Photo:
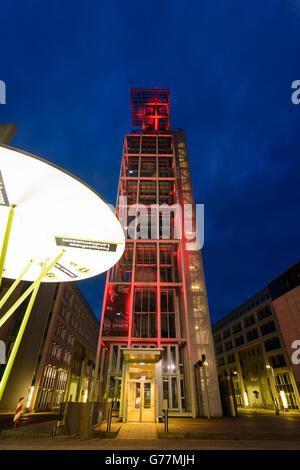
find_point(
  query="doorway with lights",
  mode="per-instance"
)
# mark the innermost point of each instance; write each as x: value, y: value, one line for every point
x: 139, y: 403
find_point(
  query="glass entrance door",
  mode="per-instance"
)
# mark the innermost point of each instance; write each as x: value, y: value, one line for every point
x: 141, y: 401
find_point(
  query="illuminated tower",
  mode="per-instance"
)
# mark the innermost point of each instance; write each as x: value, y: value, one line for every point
x: 155, y: 323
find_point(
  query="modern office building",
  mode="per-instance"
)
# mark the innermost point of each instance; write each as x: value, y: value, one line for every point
x: 254, y: 345
x: 155, y: 325
x: 56, y: 358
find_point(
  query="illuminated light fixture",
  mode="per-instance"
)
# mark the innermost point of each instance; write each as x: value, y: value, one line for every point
x: 284, y: 400
x: 206, y: 363
x: 196, y: 327
x: 85, y: 396
x: 142, y: 363
x: 29, y: 397
x: 268, y: 366
x: 246, y: 399
x: 54, y: 211
x: 195, y: 287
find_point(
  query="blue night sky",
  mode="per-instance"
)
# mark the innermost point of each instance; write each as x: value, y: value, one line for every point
x: 229, y: 65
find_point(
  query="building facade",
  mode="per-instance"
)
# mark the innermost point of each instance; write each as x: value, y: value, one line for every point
x: 155, y: 324
x: 253, y: 345
x: 56, y: 358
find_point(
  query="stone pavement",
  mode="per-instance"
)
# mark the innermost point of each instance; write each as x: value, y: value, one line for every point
x: 79, y: 443
x: 137, y: 431
x: 248, y: 431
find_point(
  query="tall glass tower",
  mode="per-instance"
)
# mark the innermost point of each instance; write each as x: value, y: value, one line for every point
x: 155, y: 346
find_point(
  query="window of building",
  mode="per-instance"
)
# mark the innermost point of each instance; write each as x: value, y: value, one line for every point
x: 60, y: 331
x: 147, y: 194
x: 148, y: 167
x: 146, y: 262
x: 168, y: 329
x: 132, y: 166
x: 272, y: 343
x: 226, y: 333
x: 144, y: 316
x: 267, y: 328
x: 284, y: 383
x: 264, y: 312
x: 165, y: 167
x: 60, y: 387
x: 67, y: 295
x: 168, y: 262
x: 237, y: 327
x: 219, y: 349
x: 47, y: 385
x: 277, y: 361
x: 131, y: 191
x: 67, y: 357
x: 249, y: 321
x: 230, y: 358
x: 218, y: 338
x: 228, y: 346
x: 239, y: 340
x: 252, y: 334
x: 63, y: 312
x: 166, y: 192
x: 55, y: 351
x: 173, y: 383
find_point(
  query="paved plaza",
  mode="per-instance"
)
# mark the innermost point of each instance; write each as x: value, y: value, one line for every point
x: 250, y: 431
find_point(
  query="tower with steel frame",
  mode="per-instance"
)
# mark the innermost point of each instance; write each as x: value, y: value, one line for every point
x: 155, y: 346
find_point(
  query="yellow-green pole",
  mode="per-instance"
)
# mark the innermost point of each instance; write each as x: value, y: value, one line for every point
x: 5, y: 240
x: 29, y: 290
x: 35, y: 287
x: 14, y: 285
x: 18, y: 340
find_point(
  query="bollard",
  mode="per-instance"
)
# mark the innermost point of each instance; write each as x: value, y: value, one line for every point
x: 109, y: 419
x: 166, y: 420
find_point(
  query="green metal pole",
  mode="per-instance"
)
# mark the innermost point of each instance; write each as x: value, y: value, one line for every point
x: 29, y: 290
x: 5, y: 240
x: 18, y: 341
x: 14, y: 285
x: 15, y: 348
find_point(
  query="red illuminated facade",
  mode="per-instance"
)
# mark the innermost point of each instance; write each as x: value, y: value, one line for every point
x: 155, y: 323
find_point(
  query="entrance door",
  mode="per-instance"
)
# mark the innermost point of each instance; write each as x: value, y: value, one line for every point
x: 141, y: 402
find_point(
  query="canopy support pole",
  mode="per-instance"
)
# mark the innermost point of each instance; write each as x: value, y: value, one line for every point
x: 6, y: 239
x: 14, y: 285
x: 34, y: 287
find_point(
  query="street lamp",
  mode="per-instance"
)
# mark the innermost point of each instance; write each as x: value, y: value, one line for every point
x: 275, y: 395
